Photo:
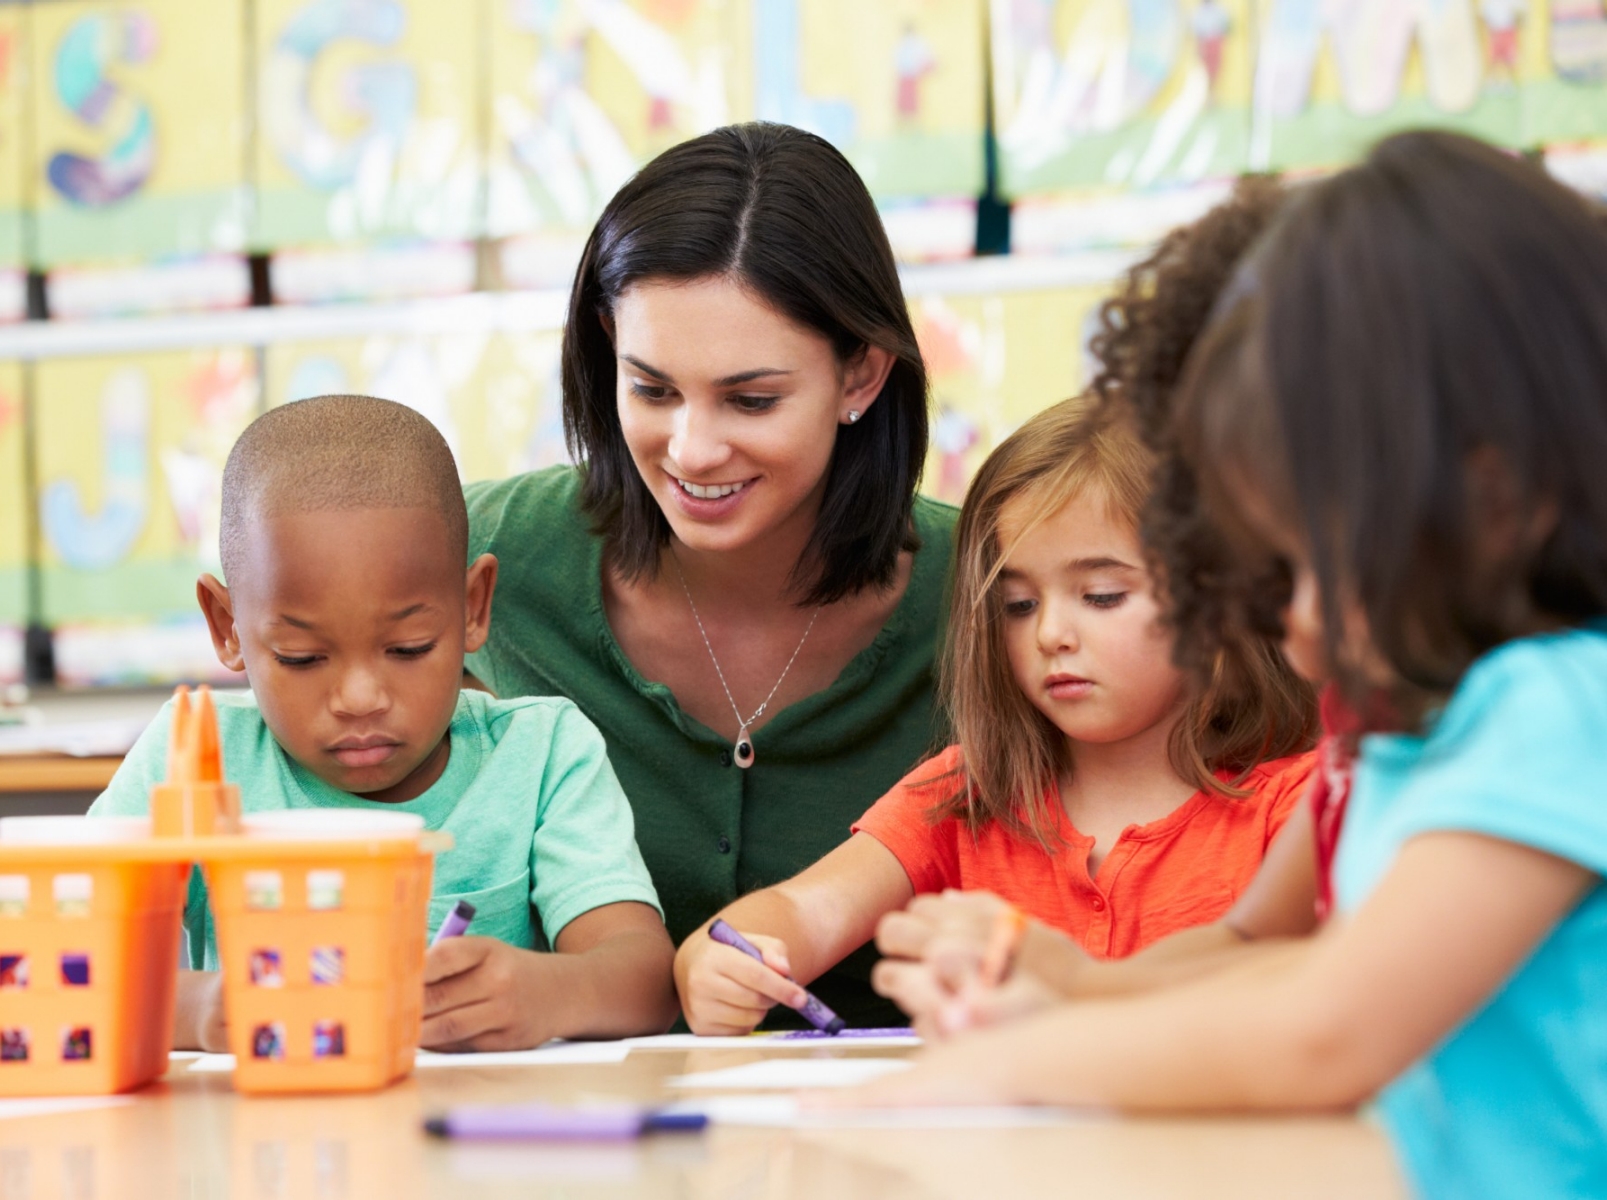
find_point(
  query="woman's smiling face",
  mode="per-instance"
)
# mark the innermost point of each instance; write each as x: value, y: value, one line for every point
x: 730, y: 410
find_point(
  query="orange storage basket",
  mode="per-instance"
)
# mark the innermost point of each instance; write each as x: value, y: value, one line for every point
x: 89, y: 948
x: 322, y: 949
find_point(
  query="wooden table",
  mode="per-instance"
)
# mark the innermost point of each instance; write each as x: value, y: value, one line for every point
x: 192, y: 1136
x: 56, y: 773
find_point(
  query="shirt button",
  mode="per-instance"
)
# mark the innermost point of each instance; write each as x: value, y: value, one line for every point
x: 725, y: 758
x: 724, y: 844
x: 1097, y: 904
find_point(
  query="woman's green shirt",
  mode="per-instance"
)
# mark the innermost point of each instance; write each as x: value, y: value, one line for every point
x: 708, y: 830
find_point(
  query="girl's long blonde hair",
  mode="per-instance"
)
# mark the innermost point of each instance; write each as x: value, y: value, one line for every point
x: 1252, y: 707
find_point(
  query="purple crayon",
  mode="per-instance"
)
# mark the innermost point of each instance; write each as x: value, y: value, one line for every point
x: 816, y: 1013
x: 550, y: 1123
x: 456, y: 923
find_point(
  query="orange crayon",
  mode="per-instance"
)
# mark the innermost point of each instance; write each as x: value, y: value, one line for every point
x: 195, y: 801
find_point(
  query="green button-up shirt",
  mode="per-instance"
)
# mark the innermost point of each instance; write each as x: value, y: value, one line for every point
x: 708, y: 830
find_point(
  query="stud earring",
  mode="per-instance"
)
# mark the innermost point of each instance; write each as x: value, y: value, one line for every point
x: 853, y: 415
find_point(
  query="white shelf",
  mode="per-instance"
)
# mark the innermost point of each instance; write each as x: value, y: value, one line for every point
x: 484, y: 311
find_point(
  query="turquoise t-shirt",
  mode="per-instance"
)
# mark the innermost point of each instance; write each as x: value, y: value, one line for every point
x: 1514, y: 1102
x: 542, y: 832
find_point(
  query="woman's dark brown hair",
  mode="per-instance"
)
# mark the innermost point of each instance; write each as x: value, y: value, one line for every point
x: 1410, y: 374
x: 784, y: 214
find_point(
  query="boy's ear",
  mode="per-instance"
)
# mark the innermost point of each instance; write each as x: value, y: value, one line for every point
x: 218, y: 608
x: 478, y: 587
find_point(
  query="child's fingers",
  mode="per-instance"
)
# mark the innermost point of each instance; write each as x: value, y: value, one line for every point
x: 911, y: 986
x: 903, y: 935
x: 774, y: 951
x: 461, y: 1027
x: 455, y: 956
x: 736, y: 967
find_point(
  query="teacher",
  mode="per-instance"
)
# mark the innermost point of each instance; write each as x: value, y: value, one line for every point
x: 738, y: 584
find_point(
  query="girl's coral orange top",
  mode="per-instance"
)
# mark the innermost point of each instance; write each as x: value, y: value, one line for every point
x: 1186, y: 869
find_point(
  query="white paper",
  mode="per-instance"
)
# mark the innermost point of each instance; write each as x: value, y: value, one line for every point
x: 783, y: 1112
x: 776, y: 1041
x: 555, y: 1053
x: 791, y: 1074
x: 45, y: 1106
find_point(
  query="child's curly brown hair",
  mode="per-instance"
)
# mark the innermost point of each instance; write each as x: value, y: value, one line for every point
x: 1145, y: 334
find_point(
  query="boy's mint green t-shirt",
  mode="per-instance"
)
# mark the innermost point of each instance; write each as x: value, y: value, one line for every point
x: 541, y: 830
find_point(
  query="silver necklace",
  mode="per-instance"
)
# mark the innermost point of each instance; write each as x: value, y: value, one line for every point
x: 742, y: 749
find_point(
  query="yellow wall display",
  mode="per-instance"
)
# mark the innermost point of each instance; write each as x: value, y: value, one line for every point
x: 993, y: 362
x: 495, y: 398
x: 1125, y: 93
x: 585, y: 91
x: 366, y: 120
x: 130, y: 460
x: 13, y: 107
x: 139, y: 148
x: 13, y: 500
x: 897, y: 85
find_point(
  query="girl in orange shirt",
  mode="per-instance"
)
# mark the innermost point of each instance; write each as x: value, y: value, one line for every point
x: 1090, y: 785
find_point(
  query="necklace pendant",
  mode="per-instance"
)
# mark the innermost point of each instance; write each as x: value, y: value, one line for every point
x: 742, y: 753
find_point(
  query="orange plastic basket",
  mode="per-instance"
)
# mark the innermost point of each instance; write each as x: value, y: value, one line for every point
x: 322, y: 949
x: 89, y: 948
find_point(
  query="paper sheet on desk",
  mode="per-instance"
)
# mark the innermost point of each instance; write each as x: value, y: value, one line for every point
x: 791, y: 1074
x: 46, y: 1106
x: 783, y: 1112
x: 795, y: 1039
x: 552, y: 1054
x: 79, y: 739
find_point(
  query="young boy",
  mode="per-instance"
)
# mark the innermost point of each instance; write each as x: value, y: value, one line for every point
x: 343, y: 539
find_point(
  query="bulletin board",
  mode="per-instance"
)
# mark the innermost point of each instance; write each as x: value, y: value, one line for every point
x: 13, y: 501
x: 993, y: 362
x: 366, y: 120
x: 582, y: 94
x: 897, y: 85
x: 494, y: 397
x: 1120, y: 93
x: 13, y: 115
x: 139, y: 149
x: 129, y: 513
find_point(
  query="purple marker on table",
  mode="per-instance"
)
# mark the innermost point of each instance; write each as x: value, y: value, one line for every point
x: 551, y: 1123
x: 456, y: 923
x: 813, y: 1011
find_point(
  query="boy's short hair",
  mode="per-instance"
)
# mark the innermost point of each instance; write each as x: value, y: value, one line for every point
x: 338, y: 452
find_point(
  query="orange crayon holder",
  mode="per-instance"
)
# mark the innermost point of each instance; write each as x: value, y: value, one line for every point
x: 321, y: 944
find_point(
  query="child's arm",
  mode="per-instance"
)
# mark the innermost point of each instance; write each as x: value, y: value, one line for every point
x: 198, y: 1017
x: 934, y: 946
x: 609, y: 979
x: 804, y: 927
x: 1323, y: 1024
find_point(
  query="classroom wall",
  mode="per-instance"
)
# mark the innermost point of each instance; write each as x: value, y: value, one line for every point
x: 389, y: 150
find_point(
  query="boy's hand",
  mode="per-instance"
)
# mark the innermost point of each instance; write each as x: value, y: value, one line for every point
x: 726, y: 993
x: 199, y: 1020
x: 483, y: 994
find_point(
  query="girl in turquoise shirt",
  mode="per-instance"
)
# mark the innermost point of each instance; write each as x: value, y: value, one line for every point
x: 1401, y: 409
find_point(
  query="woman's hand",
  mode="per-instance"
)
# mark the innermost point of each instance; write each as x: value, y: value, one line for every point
x: 724, y: 992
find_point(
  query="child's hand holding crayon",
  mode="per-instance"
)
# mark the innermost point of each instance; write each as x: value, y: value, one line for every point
x: 726, y: 993
x: 478, y: 995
